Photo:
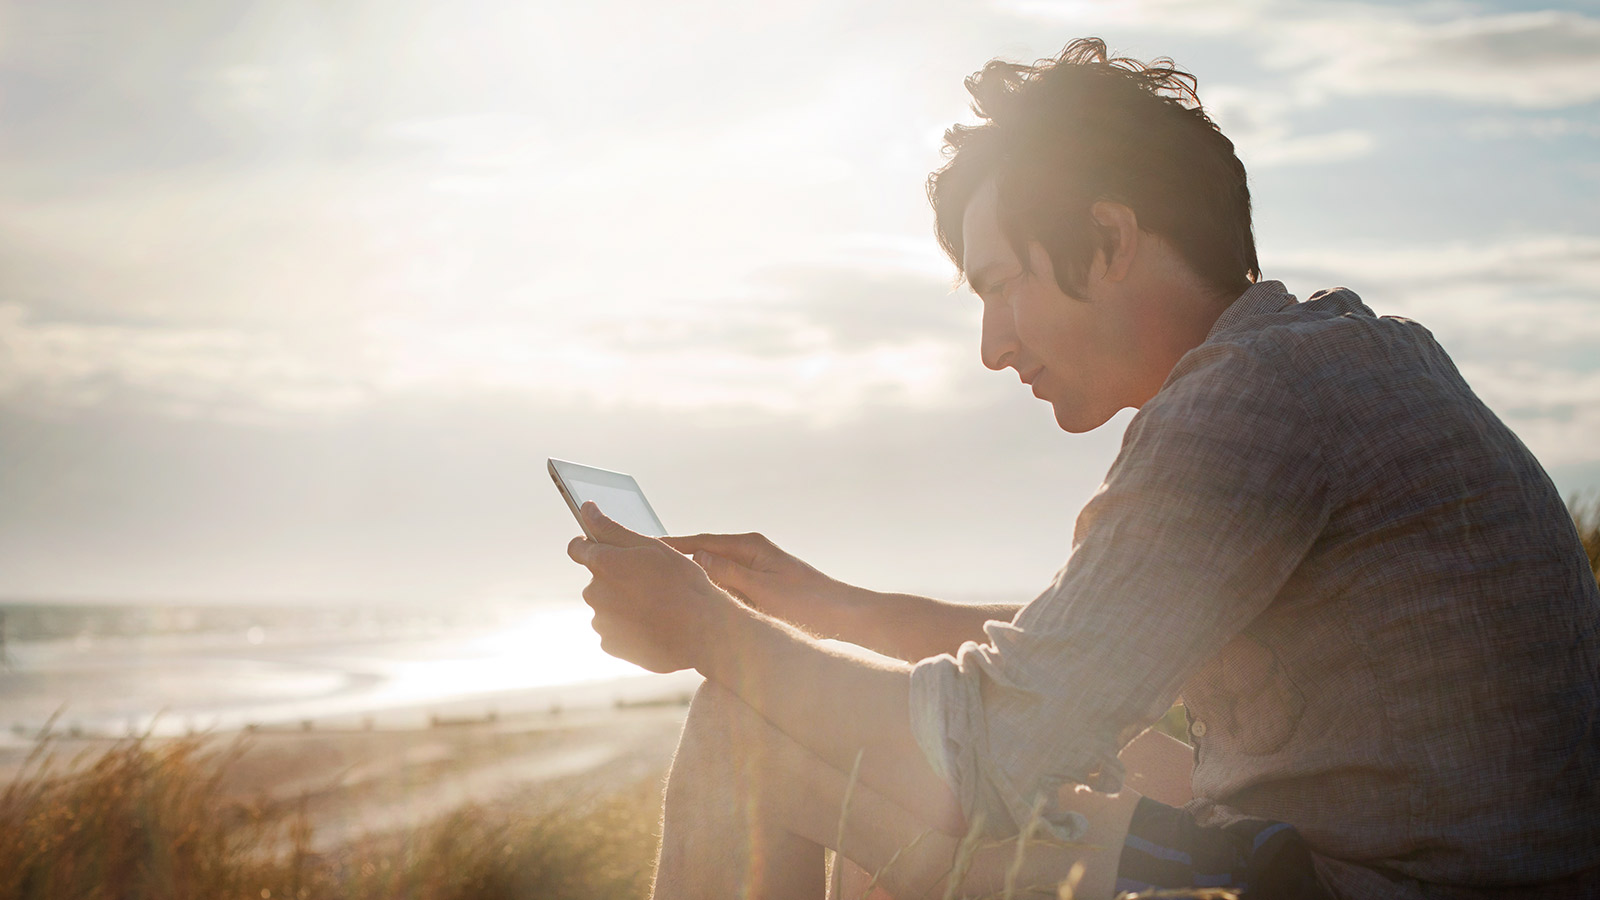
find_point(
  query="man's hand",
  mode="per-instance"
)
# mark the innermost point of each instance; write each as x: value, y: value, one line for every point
x: 652, y: 606
x: 779, y: 584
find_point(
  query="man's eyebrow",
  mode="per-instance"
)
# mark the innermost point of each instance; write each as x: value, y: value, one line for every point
x: 981, y: 278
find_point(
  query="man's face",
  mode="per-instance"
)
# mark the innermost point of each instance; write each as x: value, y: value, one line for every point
x: 1075, y: 352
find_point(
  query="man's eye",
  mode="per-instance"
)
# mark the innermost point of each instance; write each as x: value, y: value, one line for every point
x: 997, y: 289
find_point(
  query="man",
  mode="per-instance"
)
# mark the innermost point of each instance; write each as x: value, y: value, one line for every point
x: 1367, y: 592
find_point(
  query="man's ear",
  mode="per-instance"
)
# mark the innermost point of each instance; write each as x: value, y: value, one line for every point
x: 1119, y: 226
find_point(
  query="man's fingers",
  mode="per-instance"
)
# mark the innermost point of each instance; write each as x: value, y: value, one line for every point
x: 726, y: 573
x: 744, y: 549
x: 607, y: 530
x: 652, y: 561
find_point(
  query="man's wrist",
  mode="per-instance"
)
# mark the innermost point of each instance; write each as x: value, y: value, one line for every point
x: 850, y: 612
x: 722, y: 635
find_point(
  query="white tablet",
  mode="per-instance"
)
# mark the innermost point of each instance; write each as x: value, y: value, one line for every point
x: 617, y: 495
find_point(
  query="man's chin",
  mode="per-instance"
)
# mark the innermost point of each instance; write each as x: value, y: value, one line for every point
x: 1077, y: 420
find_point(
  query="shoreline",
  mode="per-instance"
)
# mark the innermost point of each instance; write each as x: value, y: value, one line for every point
x: 344, y: 708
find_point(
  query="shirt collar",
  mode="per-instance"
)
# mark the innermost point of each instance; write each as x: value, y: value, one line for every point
x: 1258, y: 299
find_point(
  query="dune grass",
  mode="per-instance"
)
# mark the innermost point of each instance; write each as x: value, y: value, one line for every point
x: 1586, y: 516
x: 150, y: 820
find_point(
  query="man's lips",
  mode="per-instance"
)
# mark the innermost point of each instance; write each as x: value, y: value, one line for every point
x: 1028, y: 378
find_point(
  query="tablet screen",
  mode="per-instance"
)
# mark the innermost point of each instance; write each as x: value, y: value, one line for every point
x: 617, y: 495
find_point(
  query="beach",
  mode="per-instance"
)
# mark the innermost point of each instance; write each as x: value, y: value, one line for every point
x: 370, y: 722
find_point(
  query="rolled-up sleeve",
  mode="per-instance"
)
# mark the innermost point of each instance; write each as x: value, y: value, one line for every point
x: 1217, y: 494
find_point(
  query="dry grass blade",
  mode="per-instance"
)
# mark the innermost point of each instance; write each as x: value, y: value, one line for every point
x: 962, y: 863
x: 844, y: 815
x: 894, y: 858
x: 1015, y: 869
x: 1586, y: 518
x: 1068, y: 888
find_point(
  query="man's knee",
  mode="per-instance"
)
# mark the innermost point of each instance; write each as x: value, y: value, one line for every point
x: 719, y: 730
x: 712, y: 715
x: 727, y: 744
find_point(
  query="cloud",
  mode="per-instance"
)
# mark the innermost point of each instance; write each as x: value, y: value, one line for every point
x: 812, y: 342
x: 1311, y: 52
x: 1319, y: 49
x: 866, y: 307
x: 61, y: 368
x: 200, y: 247
x: 1562, y: 263
x: 1552, y: 409
x: 1207, y: 17
x: 1276, y: 147
x: 1545, y: 59
x: 1537, y: 127
x: 1261, y: 125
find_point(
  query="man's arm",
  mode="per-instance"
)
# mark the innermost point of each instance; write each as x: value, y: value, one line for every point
x: 659, y: 610
x: 903, y: 626
x: 909, y: 627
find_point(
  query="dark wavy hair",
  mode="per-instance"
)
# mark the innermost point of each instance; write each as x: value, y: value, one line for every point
x: 1065, y: 132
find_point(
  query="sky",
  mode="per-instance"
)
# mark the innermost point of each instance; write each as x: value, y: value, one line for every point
x: 296, y: 297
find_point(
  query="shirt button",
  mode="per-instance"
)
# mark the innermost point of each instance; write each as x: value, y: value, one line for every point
x: 1198, y: 729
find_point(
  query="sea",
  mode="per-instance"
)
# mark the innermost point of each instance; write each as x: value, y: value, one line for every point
x: 128, y: 669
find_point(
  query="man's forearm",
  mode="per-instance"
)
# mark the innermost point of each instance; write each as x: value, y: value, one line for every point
x: 830, y: 700
x: 909, y: 627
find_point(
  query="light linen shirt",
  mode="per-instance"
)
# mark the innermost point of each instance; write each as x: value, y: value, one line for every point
x: 1369, y: 594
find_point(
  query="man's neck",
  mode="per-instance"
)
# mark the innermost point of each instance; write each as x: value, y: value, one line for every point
x: 1180, y: 312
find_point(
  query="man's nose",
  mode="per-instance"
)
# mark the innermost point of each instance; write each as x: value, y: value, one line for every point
x: 999, y: 344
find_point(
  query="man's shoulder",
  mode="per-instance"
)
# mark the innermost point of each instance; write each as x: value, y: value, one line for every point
x: 1330, y: 363
x: 1370, y: 390
x: 1324, y: 315
x: 1329, y: 339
